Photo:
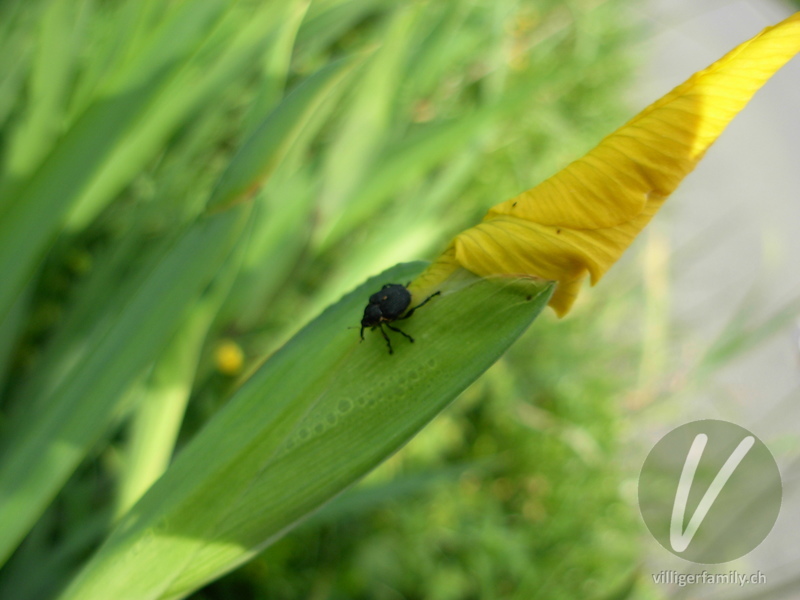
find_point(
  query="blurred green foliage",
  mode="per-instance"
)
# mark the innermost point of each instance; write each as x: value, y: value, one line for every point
x: 117, y: 121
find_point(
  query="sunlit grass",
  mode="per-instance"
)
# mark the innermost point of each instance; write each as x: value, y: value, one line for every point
x: 118, y: 293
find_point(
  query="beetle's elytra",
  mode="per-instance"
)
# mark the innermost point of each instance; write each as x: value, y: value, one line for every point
x: 387, y: 306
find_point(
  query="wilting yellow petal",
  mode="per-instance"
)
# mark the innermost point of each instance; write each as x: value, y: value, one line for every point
x: 582, y: 219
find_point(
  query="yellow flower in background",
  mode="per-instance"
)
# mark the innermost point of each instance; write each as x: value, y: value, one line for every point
x: 580, y: 221
x: 229, y: 357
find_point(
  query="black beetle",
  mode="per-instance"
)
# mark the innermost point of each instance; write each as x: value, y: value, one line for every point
x: 386, y: 307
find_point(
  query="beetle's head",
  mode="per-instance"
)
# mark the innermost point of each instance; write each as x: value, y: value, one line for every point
x: 372, y: 315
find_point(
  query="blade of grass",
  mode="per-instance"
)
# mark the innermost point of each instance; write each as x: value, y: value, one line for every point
x: 280, y: 235
x: 48, y: 86
x: 154, y: 428
x: 112, y: 281
x: 363, y: 132
x: 744, y: 332
x: 222, y: 58
x: 328, y: 20
x: 400, y: 164
x: 17, y: 50
x: 277, y: 62
x: 30, y: 221
x: 317, y: 416
x: 276, y: 134
x: 440, y: 35
x: 119, y: 34
x: 10, y: 331
x: 49, y: 444
x: 158, y: 416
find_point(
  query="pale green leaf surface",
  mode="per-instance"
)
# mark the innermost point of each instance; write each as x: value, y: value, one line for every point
x: 316, y: 417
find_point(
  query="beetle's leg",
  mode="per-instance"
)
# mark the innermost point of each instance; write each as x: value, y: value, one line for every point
x: 411, y: 312
x: 362, y: 333
x: 403, y: 333
x: 386, y: 337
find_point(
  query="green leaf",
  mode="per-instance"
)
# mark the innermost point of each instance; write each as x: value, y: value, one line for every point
x: 321, y: 413
x: 328, y: 20
x: 226, y: 53
x: 17, y: 49
x: 48, y: 444
x: 277, y: 61
x: 280, y: 223
x: 360, y: 140
x: 158, y: 417
x: 50, y: 77
x: 154, y: 428
x: 31, y: 218
x: 269, y: 144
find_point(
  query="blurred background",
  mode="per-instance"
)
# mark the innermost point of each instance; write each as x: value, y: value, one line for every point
x: 526, y: 486
x: 730, y: 238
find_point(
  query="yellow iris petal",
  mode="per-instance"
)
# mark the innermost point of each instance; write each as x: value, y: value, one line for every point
x: 581, y: 220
